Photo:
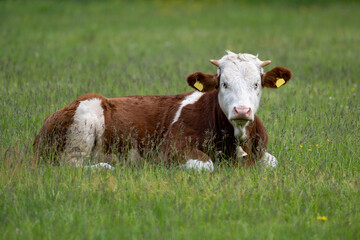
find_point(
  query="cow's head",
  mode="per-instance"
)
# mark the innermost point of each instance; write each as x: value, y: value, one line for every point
x: 239, y: 82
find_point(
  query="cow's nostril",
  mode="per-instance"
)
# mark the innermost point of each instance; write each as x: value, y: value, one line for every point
x: 249, y: 111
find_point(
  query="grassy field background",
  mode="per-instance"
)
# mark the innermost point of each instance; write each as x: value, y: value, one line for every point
x: 51, y: 52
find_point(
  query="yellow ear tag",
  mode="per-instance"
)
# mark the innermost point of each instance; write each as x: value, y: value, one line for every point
x: 198, y: 85
x: 279, y: 82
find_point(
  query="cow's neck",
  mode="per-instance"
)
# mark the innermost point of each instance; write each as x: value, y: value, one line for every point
x: 239, y: 133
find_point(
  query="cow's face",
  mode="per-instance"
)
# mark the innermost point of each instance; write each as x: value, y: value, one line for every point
x: 239, y: 81
x: 239, y: 87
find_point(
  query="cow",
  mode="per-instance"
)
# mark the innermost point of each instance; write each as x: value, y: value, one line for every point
x: 190, y: 129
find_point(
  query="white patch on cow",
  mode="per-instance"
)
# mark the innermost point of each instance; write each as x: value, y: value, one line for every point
x: 199, y: 165
x: 268, y: 160
x: 87, y: 128
x: 240, y: 87
x: 190, y: 99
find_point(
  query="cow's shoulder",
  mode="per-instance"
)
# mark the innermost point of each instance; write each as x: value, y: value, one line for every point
x: 195, y: 117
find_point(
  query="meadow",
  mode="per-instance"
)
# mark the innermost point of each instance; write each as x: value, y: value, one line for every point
x: 51, y: 52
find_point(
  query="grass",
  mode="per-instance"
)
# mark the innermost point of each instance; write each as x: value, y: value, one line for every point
x: 52, y: 52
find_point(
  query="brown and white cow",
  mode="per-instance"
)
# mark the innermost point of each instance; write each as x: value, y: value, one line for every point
x: 190, y: 127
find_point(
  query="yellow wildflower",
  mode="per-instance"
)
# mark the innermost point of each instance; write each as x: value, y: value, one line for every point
x: 328, y: 140
x: 264, y: 178
x: 317, y: 145
x: 87, y: 156
x: 310, y: 149
x: 323, y: 218
x: 300, y: 145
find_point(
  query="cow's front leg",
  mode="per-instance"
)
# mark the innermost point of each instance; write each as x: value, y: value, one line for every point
x: 199, y: 161
x: 268, y: 160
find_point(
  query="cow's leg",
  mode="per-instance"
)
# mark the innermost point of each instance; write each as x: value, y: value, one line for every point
x: 199, y: 165
x: 268, y: 160
x: 177, y: 146
x: 84, y: 135
x: 199, y: 161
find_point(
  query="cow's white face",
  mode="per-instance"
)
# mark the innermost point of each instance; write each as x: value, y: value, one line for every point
x: 240, y: 88
x: 239, y: 82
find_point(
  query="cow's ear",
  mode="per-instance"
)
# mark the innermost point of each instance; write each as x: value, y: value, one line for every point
x: 276, y: 77
x: 203, y: 82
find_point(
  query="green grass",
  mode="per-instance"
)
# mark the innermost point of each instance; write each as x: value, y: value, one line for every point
x: 52, y: 52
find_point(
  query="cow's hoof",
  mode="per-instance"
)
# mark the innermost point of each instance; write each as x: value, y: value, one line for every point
x: 269, y: 160
x: 199, y: 165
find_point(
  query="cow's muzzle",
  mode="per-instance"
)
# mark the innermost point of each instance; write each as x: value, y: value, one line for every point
x: 241, y: 113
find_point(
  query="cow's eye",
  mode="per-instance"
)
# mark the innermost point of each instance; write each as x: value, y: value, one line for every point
x: 224, y: 84
x: 256, y: 86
